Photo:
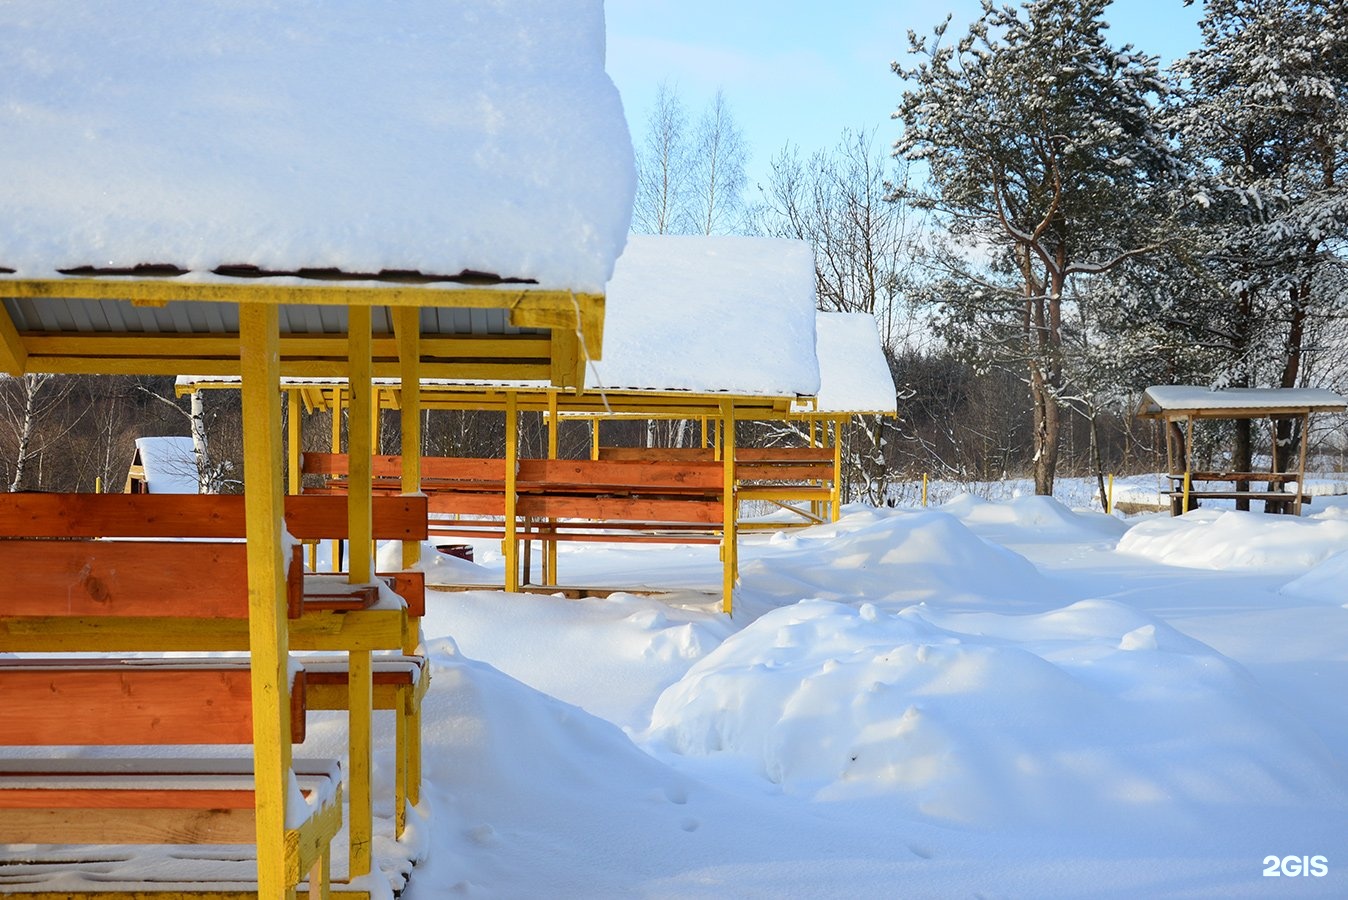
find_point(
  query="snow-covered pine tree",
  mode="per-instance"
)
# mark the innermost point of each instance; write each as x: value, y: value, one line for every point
x: 1045, y: 161
x: 1263, y: 112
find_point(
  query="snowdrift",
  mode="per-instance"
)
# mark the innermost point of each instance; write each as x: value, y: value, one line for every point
x: 1230, y: 539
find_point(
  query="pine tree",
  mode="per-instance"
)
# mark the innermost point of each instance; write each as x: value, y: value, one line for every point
x: 1263, y: 112
x: 1046, y: 162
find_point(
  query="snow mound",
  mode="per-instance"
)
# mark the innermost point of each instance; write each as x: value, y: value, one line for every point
x: 1040, y: 516
x: 929, y: 715
x: 1328, y: 581
x: 440, y: 567
x: 894, y: 557
x: 647, y: 645
x: 520, y: 775
x: 1212, y: 539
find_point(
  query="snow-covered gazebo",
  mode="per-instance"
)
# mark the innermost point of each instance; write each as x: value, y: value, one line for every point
x: 1180, y: 406
x: 343, y: 190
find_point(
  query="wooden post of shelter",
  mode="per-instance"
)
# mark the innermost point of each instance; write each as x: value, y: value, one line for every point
x: 407, y: 327
x: 729, y: 555
x: 268, y: 644
x: 510, y: 545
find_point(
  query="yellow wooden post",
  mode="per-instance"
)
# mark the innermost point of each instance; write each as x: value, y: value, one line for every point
x: 1109, y: 500
x: 836, y: 499
x: 293, y: 444
x: 336, y: 448
x: 268, y: 640
x: 550, y: 546
x: 924, y: 489
x: 407, y: 324
x: 510, y: 546
x: 594, y: 438
x: 729, y: 554
x: 360, y: 535
x: 704, y: 432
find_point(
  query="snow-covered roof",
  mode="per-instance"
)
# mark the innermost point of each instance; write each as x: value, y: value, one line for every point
x: 723, y: 315
x: 710, y: 314
x: 428, y: 137
x: 1186, y: 400
x: 854, y: 376
x: 169, y: 463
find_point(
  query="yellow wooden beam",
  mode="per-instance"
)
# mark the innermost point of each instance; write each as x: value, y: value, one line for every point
x: 407, y: 327
x: 13, y: 353
x: 267, y: 636
x: 529, y: 304
x: 360, y: 537
x: 293, y: 444
x: 510, y: 545
x: 729, y: 539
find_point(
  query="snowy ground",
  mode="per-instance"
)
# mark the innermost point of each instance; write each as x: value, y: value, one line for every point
x: 982, y: 699
x: 992, y: 699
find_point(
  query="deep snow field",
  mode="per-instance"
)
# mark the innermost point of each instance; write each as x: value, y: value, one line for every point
x: 980, y: 699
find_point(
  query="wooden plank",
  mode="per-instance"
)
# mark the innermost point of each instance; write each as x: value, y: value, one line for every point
x: 390, y: 466
x: 604, y: 476
x: 223, y: 823
x: 209, y: 516
x: 668, y: 454
x: 74, y: 702
x: 785, y: 455
x: 466, y: 503
x: 124, y: 578
x: 638, y: 508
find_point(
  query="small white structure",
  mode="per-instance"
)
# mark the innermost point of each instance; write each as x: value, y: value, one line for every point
x: 163, y: 465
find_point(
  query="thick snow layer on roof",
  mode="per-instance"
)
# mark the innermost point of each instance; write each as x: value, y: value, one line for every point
x: 853, y: 374
x: 170, y: 464
x: 428, y: 136
x: 710, y: 314
x: 1184, y: 397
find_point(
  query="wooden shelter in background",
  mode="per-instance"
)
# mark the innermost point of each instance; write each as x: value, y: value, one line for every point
x: 333, y: 229
x: 1180, y: 407
x: 715, y: 330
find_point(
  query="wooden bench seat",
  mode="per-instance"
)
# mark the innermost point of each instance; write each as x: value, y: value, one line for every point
x: 52, y: 702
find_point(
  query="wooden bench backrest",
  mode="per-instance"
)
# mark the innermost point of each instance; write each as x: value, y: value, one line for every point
x: 132, y: 702
x: 94, y: 578
x: 751, y: 463
x: 617, y: 490
x: 211, y: 516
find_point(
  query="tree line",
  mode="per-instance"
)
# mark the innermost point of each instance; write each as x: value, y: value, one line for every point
x: 1055, y: 224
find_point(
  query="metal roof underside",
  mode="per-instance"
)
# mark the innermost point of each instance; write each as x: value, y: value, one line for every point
x: 79, y: 316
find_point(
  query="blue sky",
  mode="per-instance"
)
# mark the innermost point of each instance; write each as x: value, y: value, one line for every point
x: 803, y: 71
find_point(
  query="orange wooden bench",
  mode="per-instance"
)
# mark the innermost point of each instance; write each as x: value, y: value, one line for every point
x: 190, y: 800
x: 777, y: 475
x: 134, y: 588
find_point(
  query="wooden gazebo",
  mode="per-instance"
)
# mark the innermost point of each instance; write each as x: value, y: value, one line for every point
x: 716, y: 330
x: 279, y: 191
x: 1181, y: 406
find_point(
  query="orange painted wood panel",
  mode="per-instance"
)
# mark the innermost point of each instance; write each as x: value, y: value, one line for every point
x: 640, y: 508
x: 78, y: 702
x: 466, y: 503
x: 134, y: 579
x: 642, y: 454
x: 613, y: 476
x: 117, y: 798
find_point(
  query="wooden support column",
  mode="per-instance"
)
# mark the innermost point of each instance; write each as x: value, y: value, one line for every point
x: 360, y: 536
x: 1301, y: 465
x: 337, y: 448
x: 407, y: 324
x: 836, y: 499
x: 729, y: 538
x: 293, y: 444
x: 510, y: 546
x: 550, y: 546
x: 268, y: 638
x: 594, y: 438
